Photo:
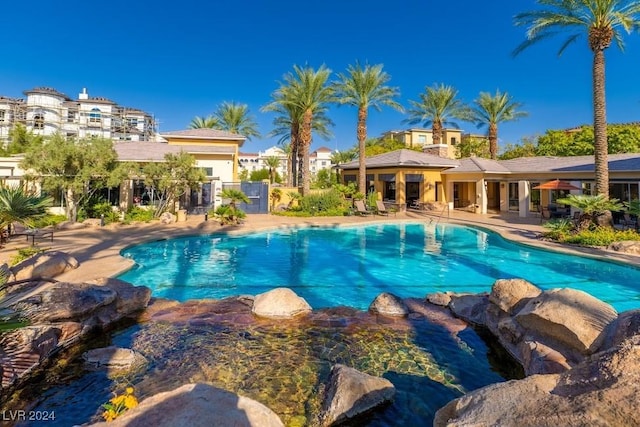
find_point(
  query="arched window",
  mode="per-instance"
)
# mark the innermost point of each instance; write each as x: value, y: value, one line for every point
x: 38, y: 120
x: 95, y: 116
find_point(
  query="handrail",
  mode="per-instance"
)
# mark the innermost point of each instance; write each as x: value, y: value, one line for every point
x: 446, y: 207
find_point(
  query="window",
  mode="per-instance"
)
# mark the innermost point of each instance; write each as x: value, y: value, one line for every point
x: 207, y: 171
x: 324, y: 163
x: 71, y: 116
x: 2, y: 115
x: 38, y: 121
x: 422, y: 139
x: 133, y: 122
x: 514, y: 197
x: 389, y: 190
x: 95, y: 116
x: 454, y: 141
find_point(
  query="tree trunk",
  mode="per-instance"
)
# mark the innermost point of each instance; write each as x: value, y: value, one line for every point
x: 600, y: 144
x: 436, y: 131
x: 493, y: 140
x: 305, y: 143
x: 362, y: 161
x: 292, y: 168
x: 72, y: 206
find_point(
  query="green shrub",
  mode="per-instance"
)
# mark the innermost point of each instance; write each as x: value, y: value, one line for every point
x: 227, y: 214
x: 25, y: 253
x: 48, y: 220
x: 559, y: 229
x: 328, y: 203
x: 601, y: 236
x: 137, y: 214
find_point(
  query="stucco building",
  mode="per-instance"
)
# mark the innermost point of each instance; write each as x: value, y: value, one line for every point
x: 45, y: 111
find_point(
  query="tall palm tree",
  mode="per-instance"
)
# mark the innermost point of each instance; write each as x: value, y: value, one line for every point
x: 490, y: 110
x: 364, y: 88
x: 306, y: 94
x: 287, y: 127
x: 600, y: 21
x: 208, y: 122
x: 235, y: 118
x: 437, y: 106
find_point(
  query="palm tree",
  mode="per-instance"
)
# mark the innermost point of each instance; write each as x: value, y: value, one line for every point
x: 287, y: 127
x: 304, y: 96
x: 273, y: 163
x: 365, y: 88
x: 490, y: 110
x: 235, y: 118
x: 208, y: 122
x: 436, y: 106
x: 600, y: 21
x: 18, y: 205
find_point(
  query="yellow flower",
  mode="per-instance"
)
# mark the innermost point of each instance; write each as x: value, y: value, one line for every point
x: 129, y: 390
x: 130, y: 402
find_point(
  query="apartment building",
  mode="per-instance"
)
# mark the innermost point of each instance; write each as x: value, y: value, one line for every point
x: 45, y: 111
x: 318, y: 159
x: 418, y: 137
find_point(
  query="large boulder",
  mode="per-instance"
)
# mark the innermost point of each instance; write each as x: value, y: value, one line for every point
x: 66, y: 301
x: 130, y: 298
x: 470, y: 307
x: 352, y: 393
x: 280, y: 303
x: 387, y: 304
x: 45, y: 264
x: 567, y: 316
x: 601, y: 391
x: 510, y: 294
x: 626, y: 325
x: 197, y: 405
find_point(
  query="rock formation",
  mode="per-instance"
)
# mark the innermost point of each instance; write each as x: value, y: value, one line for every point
x: 197, y: 405
x: 581, y: 358
x: 59, y: 314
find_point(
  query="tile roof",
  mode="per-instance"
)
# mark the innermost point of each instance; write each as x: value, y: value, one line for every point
x: 204, y: 133
x: 555, y: 164
x: 143, y: 151
x: 403, y: 157
x: 617, y: 163
x: 478, y: 164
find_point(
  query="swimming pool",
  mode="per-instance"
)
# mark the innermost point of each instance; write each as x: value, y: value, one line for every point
x: 352, y: 265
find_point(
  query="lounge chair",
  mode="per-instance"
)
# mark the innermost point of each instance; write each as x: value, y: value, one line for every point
x: 381, y: 208
x: 361, y: 208
x: 18, y: 229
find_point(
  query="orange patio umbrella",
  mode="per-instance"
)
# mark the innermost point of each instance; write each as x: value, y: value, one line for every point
x: 556, y: 184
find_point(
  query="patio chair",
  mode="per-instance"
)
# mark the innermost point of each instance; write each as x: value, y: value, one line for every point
x: 361, y: 209
x: 381, y: 208
x: 628, y: 222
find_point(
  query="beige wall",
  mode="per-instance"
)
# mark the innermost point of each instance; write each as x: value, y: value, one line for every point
x: 427, y: 188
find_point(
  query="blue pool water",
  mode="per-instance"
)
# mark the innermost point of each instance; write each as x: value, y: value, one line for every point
x: 351, y: 265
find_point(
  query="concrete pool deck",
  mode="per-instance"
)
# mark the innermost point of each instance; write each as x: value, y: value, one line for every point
x: 98, y: 248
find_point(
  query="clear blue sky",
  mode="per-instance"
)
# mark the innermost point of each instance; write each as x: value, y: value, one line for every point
x: 178, y: 60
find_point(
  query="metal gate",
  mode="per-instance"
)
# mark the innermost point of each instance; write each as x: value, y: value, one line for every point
x: 257, y: 192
